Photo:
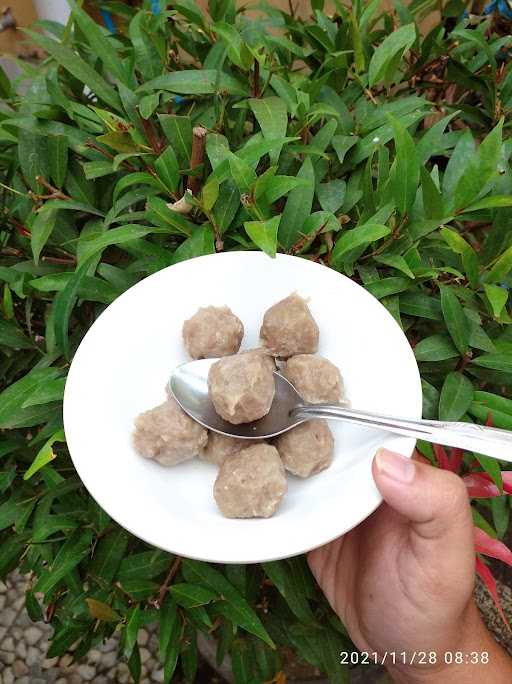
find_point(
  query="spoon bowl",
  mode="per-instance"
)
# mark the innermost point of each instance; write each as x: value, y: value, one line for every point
x: 189, y: 386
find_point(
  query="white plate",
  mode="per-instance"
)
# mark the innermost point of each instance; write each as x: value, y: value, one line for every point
x: 124, y: 361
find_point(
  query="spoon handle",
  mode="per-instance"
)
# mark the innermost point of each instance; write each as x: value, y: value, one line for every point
x: 469, y: 436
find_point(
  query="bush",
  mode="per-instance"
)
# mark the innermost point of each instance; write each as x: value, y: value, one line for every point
x: 348, y: 139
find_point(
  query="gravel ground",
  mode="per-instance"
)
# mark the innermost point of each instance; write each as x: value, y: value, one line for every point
x: 23, y: 646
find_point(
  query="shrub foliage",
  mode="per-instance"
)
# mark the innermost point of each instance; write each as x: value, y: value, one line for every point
x: 348, y: 138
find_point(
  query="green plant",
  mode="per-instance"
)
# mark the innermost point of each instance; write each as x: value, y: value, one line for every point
x: 346, y: 138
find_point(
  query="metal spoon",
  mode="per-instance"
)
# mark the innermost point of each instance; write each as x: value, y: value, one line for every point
x: 189, y: 386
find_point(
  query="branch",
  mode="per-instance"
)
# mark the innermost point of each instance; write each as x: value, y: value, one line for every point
x: 197, y: 157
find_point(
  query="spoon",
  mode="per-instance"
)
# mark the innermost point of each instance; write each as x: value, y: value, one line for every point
x: 189, y: 386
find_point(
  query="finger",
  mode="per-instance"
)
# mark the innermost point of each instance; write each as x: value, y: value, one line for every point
x: 434, y: 501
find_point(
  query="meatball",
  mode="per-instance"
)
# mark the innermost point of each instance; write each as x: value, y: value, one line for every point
x: 241, y: 387
x: 219, y: 447
x: 265, y: 355
x: 211, y: 332
x: 250, y: 484
x: 306, y: 449
x: 289, y: 328
x: 168, y: 435
x: 316, y: 379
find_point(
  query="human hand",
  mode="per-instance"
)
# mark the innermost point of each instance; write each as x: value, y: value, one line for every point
x: 402, y: 581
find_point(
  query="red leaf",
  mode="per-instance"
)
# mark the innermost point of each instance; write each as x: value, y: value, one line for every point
x: 456, y: 459
x: 480, y: 486
x: 489, y: 422
x: 506, y: 476
x: 441, y: 456
x: 481, y: 478
x: 486, y: 576
x: 492, y: 547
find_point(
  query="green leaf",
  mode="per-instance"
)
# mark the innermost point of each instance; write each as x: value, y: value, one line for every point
x: 341, y: 144
x: 397, y: 262
x: 197, y: 82
x: 210, y: 194
x: 58, y: 158
x: 234, y: 606
x: 77, y: 67
x: 168, y: 170
x: 431, y: 142
x: 468, y: 254
x: 433, y: 205
x: 405, y: 173
x: 138, y: 178
x: 499, y: 362
x: 169, y: 627
x: 108, y: 554
x: 145, y: 565
x: 387, y: 56
x: 331, y: 195
x: 13, y: 398
x: 264, y: 234
x: 64, y: 303
x: 497, y: 297
x: 492, y: 467
x: 192, y: 595
x: 159, y: 213
x: 101, y: 46
x: 178, y: 131
x: 362, y: 236
x: 53, y: 390
x: 298, y: 206
x: 455, y: 319
x: 45, y: 454
x: 131, y: 630
x: 12, y: 336
x: 435, y: 348
x: 200, y: 243
x: 272, y: 115
x: 419, y: 304
x: 41, y: 230
x: 501, y: 268
x: 242, y: 174
x: 71, y: 553
x: 33, y: 158
x: 491, y: 202
x: 115, y: 236
x: 148, y: 105
x: 456, y: 396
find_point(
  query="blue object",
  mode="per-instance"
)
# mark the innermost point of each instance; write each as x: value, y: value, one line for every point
x: 155, y: 6
x: 178, y: 99
x: 108, y: 21
x: 502, y: 6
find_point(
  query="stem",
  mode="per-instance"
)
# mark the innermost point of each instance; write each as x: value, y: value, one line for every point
x: 256, y: 79
x: 163, y: 589
x: 197, y: 158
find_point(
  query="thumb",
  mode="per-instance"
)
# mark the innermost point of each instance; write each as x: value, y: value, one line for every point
x: 434, y: 501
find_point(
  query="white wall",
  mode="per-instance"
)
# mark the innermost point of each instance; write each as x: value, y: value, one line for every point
x: 54, y: 10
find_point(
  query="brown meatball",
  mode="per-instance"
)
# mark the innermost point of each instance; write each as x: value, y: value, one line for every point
x: 265, y: 355
x: 250, y: 484
x: 219, y: 447
x: 316, y: 379
x: 168, y: 435
x: 306, y: 449
x: 211, y: 332
x: 241, y: 387
x: 289, y: 328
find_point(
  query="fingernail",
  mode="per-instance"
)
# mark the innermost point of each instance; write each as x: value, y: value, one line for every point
x: 395, y: 466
